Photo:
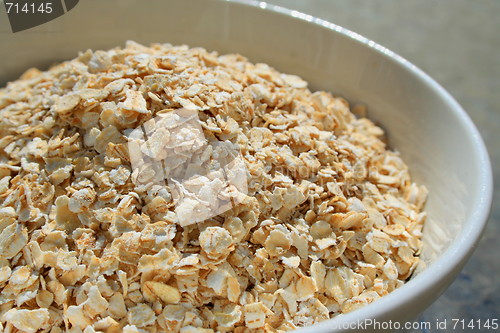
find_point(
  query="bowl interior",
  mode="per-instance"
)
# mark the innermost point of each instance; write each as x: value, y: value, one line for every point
x: 436, y: 139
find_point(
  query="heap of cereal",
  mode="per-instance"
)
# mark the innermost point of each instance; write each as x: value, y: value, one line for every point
x: 329, y: 221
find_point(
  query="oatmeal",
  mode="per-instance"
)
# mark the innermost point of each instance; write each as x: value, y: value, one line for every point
x: 328, y: 219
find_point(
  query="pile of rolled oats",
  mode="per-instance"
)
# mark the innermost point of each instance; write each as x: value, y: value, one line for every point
x: 330, y: 222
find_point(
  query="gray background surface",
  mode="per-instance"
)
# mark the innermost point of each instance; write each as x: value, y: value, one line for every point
x: 457, y: 42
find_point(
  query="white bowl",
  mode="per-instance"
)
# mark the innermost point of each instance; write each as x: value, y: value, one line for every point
x: 433, y: 133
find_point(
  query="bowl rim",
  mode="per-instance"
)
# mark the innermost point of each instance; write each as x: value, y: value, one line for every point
x: 456, y: 254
